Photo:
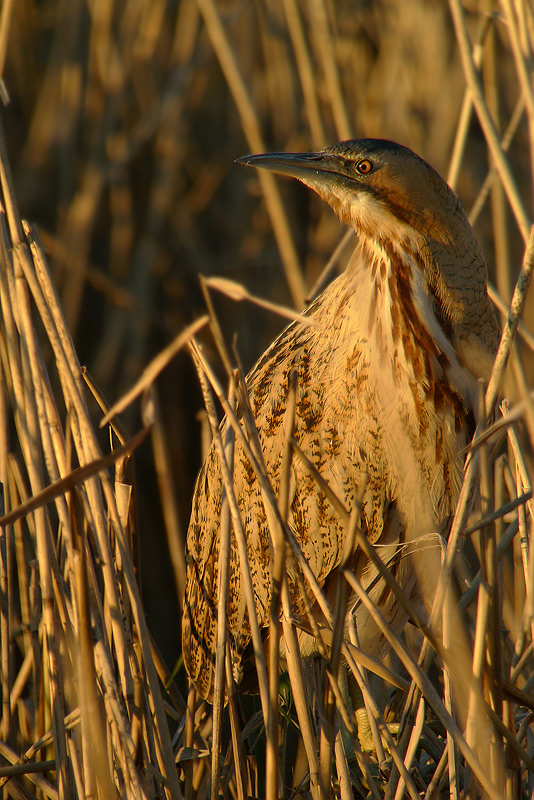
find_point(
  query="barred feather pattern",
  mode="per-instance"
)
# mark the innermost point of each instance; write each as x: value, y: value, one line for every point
x: 386, y: 390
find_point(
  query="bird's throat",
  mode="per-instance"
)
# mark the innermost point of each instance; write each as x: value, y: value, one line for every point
x: 415, y: 374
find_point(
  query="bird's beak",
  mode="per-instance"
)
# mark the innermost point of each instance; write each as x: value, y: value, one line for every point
x: 317, y: 167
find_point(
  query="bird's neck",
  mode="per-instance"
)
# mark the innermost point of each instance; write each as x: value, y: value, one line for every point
x: 406, y: 321
x: 387, y: 322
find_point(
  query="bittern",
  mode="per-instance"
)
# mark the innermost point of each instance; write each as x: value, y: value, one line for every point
x: 386, y: 394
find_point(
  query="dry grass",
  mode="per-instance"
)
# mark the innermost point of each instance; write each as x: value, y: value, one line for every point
x: 123, y: 124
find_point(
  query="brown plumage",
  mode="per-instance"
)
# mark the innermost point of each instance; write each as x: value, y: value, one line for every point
x: 387, y: 384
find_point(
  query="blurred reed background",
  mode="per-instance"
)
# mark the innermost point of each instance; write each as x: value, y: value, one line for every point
x: 122, y: 119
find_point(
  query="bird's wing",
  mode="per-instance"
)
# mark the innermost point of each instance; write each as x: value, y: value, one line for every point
x: 320, y: 422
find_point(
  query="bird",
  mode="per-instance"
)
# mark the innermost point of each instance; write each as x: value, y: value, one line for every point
x: 388, y: 361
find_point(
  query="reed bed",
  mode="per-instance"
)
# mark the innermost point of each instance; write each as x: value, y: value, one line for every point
x: 121, y: 122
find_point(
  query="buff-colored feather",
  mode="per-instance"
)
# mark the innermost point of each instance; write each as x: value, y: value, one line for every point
x: 386, y: 390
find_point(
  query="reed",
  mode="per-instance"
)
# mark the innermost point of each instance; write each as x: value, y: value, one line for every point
x: 118, y: 145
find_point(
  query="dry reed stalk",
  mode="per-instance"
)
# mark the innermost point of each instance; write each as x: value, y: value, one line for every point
x: 240, y: 769
x: 320, y: 25
x: 238, y: 293
x: 279, y: 585
x: 163, y: 468
x: 222, y: 606
x: 69, y: 587
x: 151, y: 372
x: 486, y: 121
x: 305, y: 71
x: 143, y: 86
x: 328, y: 734
x: 252, y: 130
x: 462, y: 129
x: 300, y: 695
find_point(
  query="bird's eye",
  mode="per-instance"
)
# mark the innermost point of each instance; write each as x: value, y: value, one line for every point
x: 365, y: 166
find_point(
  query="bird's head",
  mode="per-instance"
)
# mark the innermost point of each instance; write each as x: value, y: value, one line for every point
x: 382, y: 189
x: 400, y: 206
